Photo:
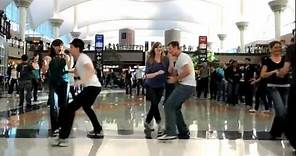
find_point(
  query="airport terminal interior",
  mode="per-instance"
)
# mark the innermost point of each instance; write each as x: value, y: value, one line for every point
x: 121, y: 62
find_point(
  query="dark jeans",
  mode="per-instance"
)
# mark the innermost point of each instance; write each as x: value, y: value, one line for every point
x: 291, y: 116
x: 232, y: 93
x: 140, y: 83
x: 261, y: 96
x: 155, y: 97
x: 72, y: 91
x: 220, y: 90
x: 25, y: 85
x: 213, y: 89
x: 279, y: 97
x: 203, y: 87
x: 172, y: 109
x: 11, y: 86
x: 249, y: 93
x: 35, y: 89
x: 58, y: 100
x: 169, y: 88
x: 84, y: 99
x: 128, y: 87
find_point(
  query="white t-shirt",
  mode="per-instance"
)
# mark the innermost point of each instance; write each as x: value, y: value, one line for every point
x: 182, y: 60
x: 13, y: 74
x: 81, y: 61
x: 139, y: 74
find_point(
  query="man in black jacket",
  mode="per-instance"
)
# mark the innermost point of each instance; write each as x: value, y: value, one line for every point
x: 25, y: 76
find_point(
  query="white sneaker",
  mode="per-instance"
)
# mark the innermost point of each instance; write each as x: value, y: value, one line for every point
x: 167, y: 137
x: 266, y: 111
x: 60, y: 143
x: 252, y: 111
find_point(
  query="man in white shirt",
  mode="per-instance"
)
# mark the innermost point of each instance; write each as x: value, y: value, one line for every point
x: 85, y: 99
x: 185, y: 87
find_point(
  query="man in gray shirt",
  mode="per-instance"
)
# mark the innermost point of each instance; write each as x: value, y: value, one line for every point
x: 185, y: 87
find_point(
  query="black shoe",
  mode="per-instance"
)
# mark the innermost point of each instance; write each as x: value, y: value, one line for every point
x: 96, y: 135
x: 184, y: 136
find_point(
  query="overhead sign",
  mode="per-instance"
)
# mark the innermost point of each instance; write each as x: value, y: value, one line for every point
x: 99, y: 42
x: 202, y: 42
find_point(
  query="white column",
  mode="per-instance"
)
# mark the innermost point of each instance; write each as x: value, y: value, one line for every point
x: 56, y: 21
x: 221, y: 38
x: 210, y: 45
x: 75, y: 33
x: 23, y: 6
x: 172, y: 35
x: 277, y: 6
x: 129, y: 35
x: 56, y: 9
x: 242, y: 27
x: 56, y: 24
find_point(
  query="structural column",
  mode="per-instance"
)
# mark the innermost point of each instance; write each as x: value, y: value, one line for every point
x: 56, y: 21
x: 75, y: 33
x: 242, y: 26
x: 23, y: 6
x: 126, y: 36
x: 56, y: 24
x: 277, y: 6
x: 221, y: 38
x: 172, y: 35
x: 209, y: 46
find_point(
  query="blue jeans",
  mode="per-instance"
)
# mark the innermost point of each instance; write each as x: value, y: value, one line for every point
x: 279, y: 97
x: 172, y: 109
x: 58, y: 101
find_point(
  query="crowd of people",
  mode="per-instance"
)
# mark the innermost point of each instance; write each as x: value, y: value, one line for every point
x: 168, y: 74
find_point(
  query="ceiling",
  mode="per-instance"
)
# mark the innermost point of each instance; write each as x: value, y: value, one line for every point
x: 151, y: 17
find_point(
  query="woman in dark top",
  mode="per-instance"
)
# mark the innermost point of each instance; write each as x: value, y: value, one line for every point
x: 277, y: 87
x: 58, y: 79
x: 233, y: 76
x: 291, y: 109
x: 155, y: 79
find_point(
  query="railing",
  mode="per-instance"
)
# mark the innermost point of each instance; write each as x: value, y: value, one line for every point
x: 123, y: 47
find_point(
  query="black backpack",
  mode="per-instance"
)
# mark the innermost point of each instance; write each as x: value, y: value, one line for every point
x: 25, y: 70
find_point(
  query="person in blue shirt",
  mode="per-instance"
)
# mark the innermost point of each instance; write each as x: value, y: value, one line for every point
x: 155, y: 78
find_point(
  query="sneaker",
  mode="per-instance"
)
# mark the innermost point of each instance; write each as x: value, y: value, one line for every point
x: 167, y: 137
x: 55, y: 133
x: 160, y: 131
x: 184, y: 136
x: 94, y: 134
x: 252, y: 111
x: 148, y: 126
x: 266, y: 111
x: 60, y: 143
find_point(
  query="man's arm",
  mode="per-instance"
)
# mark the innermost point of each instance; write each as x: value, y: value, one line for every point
x: 186, y: 70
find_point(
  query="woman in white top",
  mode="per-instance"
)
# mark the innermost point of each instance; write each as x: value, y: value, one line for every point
x: 85, y: 99
x: 13, y: 79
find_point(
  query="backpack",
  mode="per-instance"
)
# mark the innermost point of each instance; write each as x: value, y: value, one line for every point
x: 25, y: 71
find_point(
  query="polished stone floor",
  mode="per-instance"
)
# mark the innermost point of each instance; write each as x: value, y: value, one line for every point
x: 216, y: 129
